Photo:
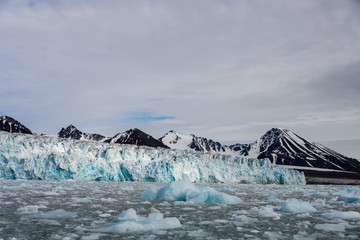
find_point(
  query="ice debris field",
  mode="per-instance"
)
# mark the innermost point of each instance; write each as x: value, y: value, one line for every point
x: 177, y: 210
x: 32, y: 157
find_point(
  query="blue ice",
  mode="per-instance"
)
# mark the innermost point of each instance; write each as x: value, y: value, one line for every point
x: 185, y: 190
x: 294, y: 205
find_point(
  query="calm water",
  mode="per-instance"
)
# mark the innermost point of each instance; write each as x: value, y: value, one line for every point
x: 84, y: 207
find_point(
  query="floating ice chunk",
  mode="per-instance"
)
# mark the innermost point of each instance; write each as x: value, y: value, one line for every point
x: 209, y: 195
x: 49, y: 222
x: 330, y: 227
x: 150, y: 194
x: 129, y: 221
x: 80, y: 200
x: 272, y: 235
x: 176, y: 191
x: 184, y: 190
x: 267, y: 211
x: 293, y: 205
x: 341, y: 215
x: 197, y: 234
x: 59, y: 213
x: 245, y: 219
x: 28, y: 209
x: 303, y: 236
x: 214, y: 208
x: 350, y: 195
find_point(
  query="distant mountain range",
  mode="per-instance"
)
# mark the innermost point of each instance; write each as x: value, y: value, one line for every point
x: 132, y: 136
x: 281, y: 146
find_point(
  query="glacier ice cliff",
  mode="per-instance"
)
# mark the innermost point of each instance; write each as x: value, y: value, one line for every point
x: 51, y: 158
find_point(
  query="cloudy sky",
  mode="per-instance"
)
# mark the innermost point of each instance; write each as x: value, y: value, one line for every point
x: 226, y: 70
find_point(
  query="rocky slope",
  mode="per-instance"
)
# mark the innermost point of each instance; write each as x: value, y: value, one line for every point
x: 9, y: 124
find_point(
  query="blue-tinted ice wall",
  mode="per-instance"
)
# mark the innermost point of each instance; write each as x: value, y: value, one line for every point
x: 51, y: 158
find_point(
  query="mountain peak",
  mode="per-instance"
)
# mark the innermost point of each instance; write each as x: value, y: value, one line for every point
x: 282, y: 146
x: 180, y: 141
x: 71, y: 132
x: 9, y: 124
x: 137, y: 137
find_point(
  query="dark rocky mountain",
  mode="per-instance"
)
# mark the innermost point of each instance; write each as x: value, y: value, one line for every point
x: 9, y: 124
x: 132, y: 136
x: 281, y: 146
x: 136, y: 137
x: 71, y: 132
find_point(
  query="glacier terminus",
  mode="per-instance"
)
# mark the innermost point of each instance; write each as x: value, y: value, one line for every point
x: 32, y: 157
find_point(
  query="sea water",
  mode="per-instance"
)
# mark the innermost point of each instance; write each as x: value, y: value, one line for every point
x: 85, y: 210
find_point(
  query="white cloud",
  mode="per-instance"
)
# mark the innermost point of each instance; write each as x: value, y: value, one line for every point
x: 234, y: 65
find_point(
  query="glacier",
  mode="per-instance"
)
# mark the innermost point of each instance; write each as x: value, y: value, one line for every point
x: 36, y: 157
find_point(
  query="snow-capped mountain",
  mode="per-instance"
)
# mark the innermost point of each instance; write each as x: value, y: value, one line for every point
x: 9, y: 124
x: 71, y: 132
x: 281, y: 146
x: 136, y: 137
x: 132, y: 136
x: 180, y: 141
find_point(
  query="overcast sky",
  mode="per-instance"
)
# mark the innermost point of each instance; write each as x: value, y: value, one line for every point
x: 226, y: 70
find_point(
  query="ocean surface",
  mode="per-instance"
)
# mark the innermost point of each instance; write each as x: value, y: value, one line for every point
x: 80, y: 210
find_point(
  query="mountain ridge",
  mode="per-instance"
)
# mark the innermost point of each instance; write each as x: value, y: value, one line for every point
x: 281, y: 146
x: 132, y: 136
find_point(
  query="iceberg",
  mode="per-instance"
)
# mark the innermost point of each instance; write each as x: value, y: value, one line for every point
x: 129, y: 221
x: 294, y: 205
x: 50, y: 158
x: 184, y: 190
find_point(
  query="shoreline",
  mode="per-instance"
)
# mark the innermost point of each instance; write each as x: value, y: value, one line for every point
x: 330, y: 177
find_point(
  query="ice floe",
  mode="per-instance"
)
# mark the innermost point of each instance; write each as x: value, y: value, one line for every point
x: 341, y: 215
x: 330, y: 227
x: 294, y: 205
x: 129, y: 221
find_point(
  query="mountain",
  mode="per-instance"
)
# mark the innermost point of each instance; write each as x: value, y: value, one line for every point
x: 9, y: 124
x: 71, y: 132
x: 136, y: 137
x: 180, y: 141
x: 281, y: 146
x: 132, y: 136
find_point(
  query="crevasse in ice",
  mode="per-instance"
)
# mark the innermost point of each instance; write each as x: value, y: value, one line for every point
x: 51, y: 158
